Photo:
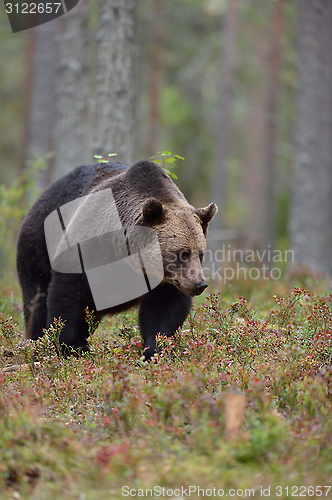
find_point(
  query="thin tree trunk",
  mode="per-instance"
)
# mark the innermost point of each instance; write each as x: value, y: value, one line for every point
x: 310, y: 221
x: 71, y: 146
x: 41, y: 93
x: 272, y: 125
x: 115, y: 82
x: 218, y: 174
x: 154, y: 81
x: 253, y: 185
x: 28, y: 95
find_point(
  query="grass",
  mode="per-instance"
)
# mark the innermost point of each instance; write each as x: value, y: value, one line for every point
x: 108, y: 425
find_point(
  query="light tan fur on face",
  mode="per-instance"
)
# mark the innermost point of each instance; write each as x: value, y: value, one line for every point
x: 183, y: 244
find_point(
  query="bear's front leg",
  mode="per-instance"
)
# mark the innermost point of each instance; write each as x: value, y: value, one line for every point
x: 163, y: 310
x: 67, y: 298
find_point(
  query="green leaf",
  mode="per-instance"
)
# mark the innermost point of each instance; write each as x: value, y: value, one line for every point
x: 112, y: 154
x: 97, y: 156
x: 164, y: 157
x: 172, y: 174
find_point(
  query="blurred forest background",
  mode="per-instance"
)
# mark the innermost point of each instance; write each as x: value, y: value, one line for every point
x: 242, y: 89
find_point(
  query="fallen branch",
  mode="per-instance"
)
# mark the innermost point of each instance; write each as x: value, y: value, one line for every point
x: 16, y: 368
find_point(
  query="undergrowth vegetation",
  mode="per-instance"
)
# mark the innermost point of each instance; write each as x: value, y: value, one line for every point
x: 85, y: 428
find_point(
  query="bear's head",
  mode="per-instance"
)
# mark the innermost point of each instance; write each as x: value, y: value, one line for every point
x: 181, y: 231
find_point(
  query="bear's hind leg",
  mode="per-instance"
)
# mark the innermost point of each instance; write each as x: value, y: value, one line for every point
x: 163, y: 310
x: 35, y: 310
x: 66, y: 301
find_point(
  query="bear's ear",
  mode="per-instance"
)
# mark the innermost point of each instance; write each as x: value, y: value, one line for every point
x: 206, y: 214
x: 152, y: 212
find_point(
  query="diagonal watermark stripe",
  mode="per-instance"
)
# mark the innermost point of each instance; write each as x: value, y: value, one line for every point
x: 86, y: 236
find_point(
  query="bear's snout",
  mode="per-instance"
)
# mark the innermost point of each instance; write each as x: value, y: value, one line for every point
x: 200, y: 287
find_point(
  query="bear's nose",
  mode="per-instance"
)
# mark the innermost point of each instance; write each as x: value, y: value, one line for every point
x: 200, y: 287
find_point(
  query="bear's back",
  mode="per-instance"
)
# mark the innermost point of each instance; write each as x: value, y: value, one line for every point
x: 79, y: 182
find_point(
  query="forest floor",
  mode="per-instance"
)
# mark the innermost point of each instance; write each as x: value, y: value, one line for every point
x: 110, y: 426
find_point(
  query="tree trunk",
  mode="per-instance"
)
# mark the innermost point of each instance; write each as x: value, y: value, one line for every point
x: 253, y: 175
x: 271, y: 123
x: 115, y: 82
x: 71, y: 146
x: 41, y: 91
x: 310, y: 222
x: 154, y: 81
x: 252, y: 183
x: 218, y: 174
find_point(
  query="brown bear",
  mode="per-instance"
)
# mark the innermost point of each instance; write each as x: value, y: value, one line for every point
x: 145, y: 196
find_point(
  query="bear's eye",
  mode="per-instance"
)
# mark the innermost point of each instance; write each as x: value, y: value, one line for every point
x: 201, y: 256
x: 184, y: 255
